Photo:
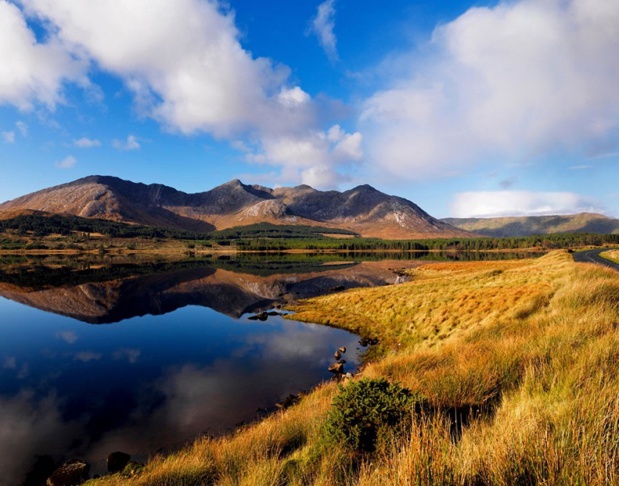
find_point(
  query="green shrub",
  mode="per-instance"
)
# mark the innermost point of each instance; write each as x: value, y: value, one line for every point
x: 366, y: 410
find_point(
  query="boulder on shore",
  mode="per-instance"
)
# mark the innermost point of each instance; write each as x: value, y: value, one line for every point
x: 71, y: 473
x: 337, y: 368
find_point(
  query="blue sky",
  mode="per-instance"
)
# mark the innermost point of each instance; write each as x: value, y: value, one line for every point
x: 465, y: 108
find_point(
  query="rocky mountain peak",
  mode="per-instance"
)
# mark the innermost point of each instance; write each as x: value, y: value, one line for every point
x: 363, y: 209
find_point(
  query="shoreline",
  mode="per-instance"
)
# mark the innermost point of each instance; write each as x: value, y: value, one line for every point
x: 193, y: 252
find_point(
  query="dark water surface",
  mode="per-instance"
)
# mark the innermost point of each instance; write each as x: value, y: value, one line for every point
x: 99, y: 355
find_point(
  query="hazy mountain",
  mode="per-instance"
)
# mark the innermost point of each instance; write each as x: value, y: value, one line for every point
x: 363, y: 210
x: 535, y: 225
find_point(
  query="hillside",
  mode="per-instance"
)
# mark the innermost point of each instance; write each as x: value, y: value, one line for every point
x: 537, y: 225
x: 362, y: 210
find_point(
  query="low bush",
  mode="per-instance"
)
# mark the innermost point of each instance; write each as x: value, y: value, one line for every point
x: 367, y: 410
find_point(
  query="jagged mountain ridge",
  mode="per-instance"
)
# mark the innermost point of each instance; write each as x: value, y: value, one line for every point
x: 363, y: 209
x: 536, y: 225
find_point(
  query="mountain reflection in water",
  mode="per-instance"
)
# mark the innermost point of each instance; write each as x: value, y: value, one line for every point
x: 186, y: 360
x: 230, y: 292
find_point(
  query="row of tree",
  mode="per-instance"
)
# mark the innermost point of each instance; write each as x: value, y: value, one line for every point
x: 546, y: 242
x: 268, y: 237
x: 38, y: 225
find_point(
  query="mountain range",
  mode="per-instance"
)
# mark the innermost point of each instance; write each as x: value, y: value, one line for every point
x: 362, y: 210
x: 537, y: 225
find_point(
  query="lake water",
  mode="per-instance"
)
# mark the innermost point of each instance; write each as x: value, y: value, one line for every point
x: 101, y: 354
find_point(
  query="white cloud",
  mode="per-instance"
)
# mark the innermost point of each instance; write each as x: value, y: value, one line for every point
x: 322, y: 26
x: 349, y: 147
x: 86, y: 142
x: 22, y: 127
x: 32, y: 72
x: 294, y: 97
x: 68, y: 337
x: 131, y: 143
x: 186, y: 68
x: 488, y: 204
x: 8, y: 137
x: 67, y: 163
x: 521, y: 79
x: 311, y: 158
x: 182, y: 60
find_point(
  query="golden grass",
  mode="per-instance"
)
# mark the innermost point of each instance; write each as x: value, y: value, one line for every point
x: 525, y: 354
x: 612, y: 255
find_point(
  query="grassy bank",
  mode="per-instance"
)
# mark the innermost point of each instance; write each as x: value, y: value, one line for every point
x: 518, y: 361
x: 612, y: 255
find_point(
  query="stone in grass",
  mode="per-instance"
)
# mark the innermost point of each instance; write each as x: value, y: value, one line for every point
x: 71, y: 473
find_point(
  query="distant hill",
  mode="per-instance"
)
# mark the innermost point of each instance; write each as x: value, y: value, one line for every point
x: 536, y: 225
x: 362, y: 210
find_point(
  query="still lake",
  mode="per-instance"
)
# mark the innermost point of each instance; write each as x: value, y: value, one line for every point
x: 100, y: 354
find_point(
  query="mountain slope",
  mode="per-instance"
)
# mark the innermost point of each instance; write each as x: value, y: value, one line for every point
x: 363, y: 210
x: 535, y: 225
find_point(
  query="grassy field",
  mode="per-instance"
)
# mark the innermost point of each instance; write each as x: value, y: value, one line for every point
x: 612, y: 255
x: 518, y: 361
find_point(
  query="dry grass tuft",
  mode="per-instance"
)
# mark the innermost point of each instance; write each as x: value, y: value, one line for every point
x: 612, y: 255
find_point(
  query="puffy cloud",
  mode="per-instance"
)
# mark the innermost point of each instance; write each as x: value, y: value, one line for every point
x: 130, y: 144
x: 347, y: 145
x: 488, y: 204
x: 8, y: 137
x: 186, y: 68
x: 67, y: 163
x: 517, y: 80
x: 322, y: 26
x: 32, y: 72
x: 294, y: 97
x: 86, y: 142
x: 312, y: 158
x: 182, y: 59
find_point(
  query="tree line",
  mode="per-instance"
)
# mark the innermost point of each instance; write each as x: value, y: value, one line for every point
x: 38, y: 226
x: 269, y: 237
